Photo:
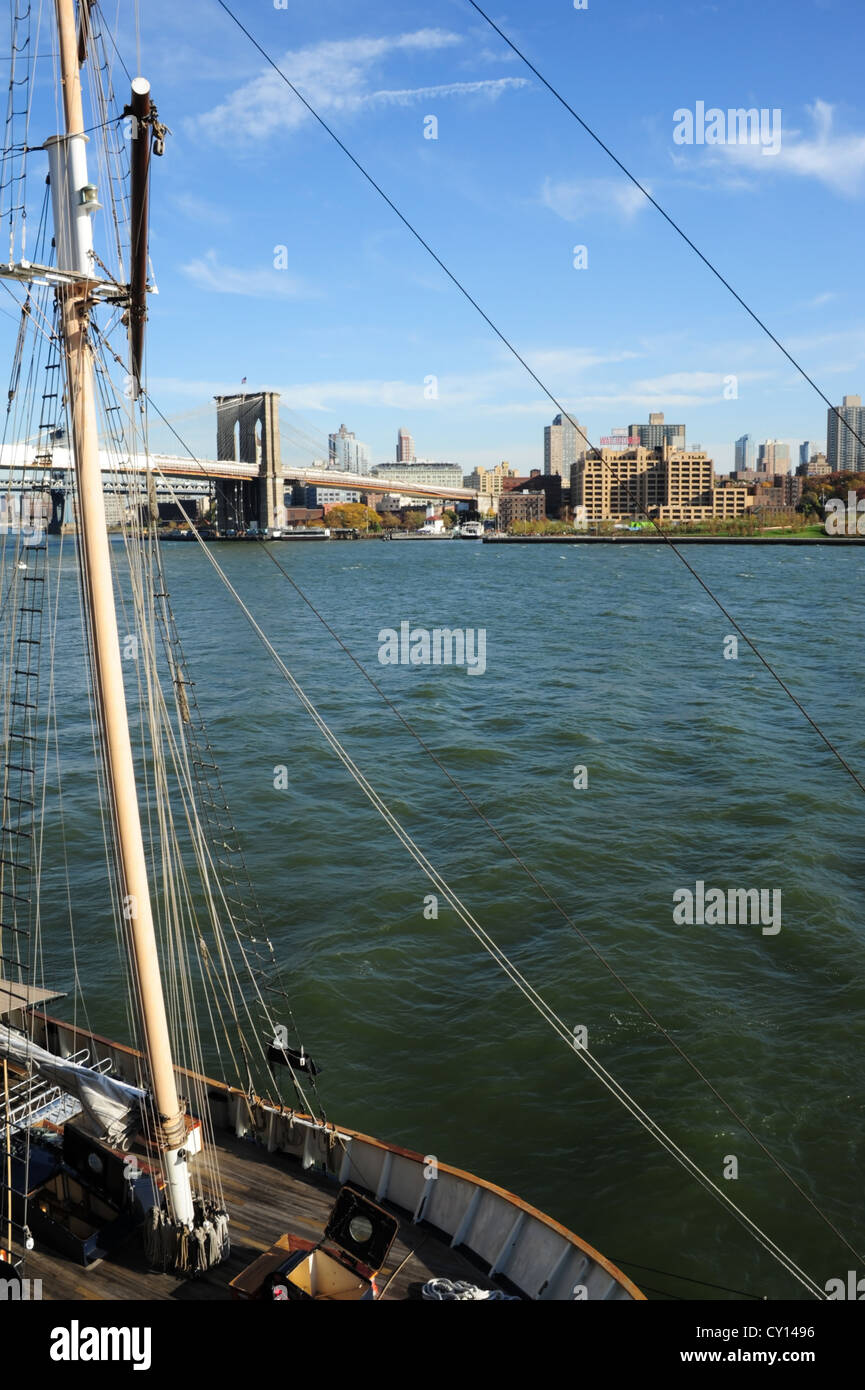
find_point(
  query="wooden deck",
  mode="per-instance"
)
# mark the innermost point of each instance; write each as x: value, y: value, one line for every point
x: 266, y: 1196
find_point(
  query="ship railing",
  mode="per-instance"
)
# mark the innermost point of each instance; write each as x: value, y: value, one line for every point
x: 34, y: 1100
x: 510, y: 1238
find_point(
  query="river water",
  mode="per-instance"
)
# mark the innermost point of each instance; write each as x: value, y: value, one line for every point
x: 697, y: 768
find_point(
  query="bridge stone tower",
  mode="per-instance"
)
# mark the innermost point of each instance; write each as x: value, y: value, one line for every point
x: 247, y: 431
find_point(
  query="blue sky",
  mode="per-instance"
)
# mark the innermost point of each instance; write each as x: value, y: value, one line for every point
x: 360, y: 316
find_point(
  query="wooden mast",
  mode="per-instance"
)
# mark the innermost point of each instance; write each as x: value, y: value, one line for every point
x: 74, y: 253
x: 140, y: 107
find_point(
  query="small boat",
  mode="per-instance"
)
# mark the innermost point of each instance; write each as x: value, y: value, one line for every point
x: 433, y: 529
x: 470, y: 531
x: 290, y: 533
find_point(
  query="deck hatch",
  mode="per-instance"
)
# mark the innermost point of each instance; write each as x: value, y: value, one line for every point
x: 361, y: 1228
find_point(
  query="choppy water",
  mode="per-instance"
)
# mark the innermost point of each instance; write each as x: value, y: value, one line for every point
x: 698, y: 768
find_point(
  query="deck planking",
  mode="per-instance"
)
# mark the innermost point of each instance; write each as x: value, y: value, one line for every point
x: 266, y: 1195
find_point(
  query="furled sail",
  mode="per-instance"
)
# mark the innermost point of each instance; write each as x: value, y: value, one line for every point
x: 111, y: 1109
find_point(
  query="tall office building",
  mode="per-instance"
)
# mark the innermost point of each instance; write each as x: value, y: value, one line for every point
x: 553, y: 447
x: 814, y: 467
x: 773, y: 457
x: 623, y: 484
x: 745, y: 453
x: 844, y: 452
x: 346, y: 453
x: 656, y: 433
x: 404, y: 447
x: 564, y: 441
x: 807, y: 449
x: 489, y: 482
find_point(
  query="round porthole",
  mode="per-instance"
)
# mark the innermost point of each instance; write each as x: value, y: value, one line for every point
x: 94, y: 1163
x: 360, y: 1229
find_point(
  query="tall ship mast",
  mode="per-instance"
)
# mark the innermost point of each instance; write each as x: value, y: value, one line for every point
x: 73, y: 204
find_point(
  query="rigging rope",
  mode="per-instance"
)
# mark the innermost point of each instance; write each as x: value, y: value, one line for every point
x: 548, y: 895
x: 618, y: 1091
x: 143, y: 552
x: 827, y: 741
x: 547, y: 392
x: 247, y: 934
x: 489, y: 944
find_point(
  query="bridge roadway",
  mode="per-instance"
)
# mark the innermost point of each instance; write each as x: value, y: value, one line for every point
x: 20, y: 456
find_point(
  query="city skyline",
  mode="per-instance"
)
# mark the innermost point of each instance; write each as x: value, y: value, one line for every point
x: 563, y: 442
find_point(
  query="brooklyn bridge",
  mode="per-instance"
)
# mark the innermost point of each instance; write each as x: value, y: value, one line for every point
x: 245, y: 486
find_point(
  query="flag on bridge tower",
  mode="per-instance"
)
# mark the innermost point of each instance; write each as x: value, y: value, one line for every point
x: 243, y: 381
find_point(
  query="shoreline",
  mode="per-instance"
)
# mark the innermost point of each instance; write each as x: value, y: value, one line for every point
x: 672, y: 537
x: 642, y: 538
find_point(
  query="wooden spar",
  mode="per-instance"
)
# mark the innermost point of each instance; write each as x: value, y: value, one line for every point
x: 139, y: 213
x: 83, y: 30
x: 107, y: 663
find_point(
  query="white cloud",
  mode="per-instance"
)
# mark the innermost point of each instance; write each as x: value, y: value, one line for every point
x: 675, y: 389
x: 852, y: 339
x: 458, y: 390
x: 492, y: 393
x: 491, y: 89
x: 497, y: 55
x: 579, y: 199
x: 331, y: 396
x: 574, y: 359
x: 693, y: 383
x: 326, y: 395
x: 634, y: 398
x: 209, y: 274
x: 335, y: 76
x: 543, y: 407
x: 836, y: 160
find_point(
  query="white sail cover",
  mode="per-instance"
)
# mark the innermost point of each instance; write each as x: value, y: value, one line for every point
x: 112, y: 1109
